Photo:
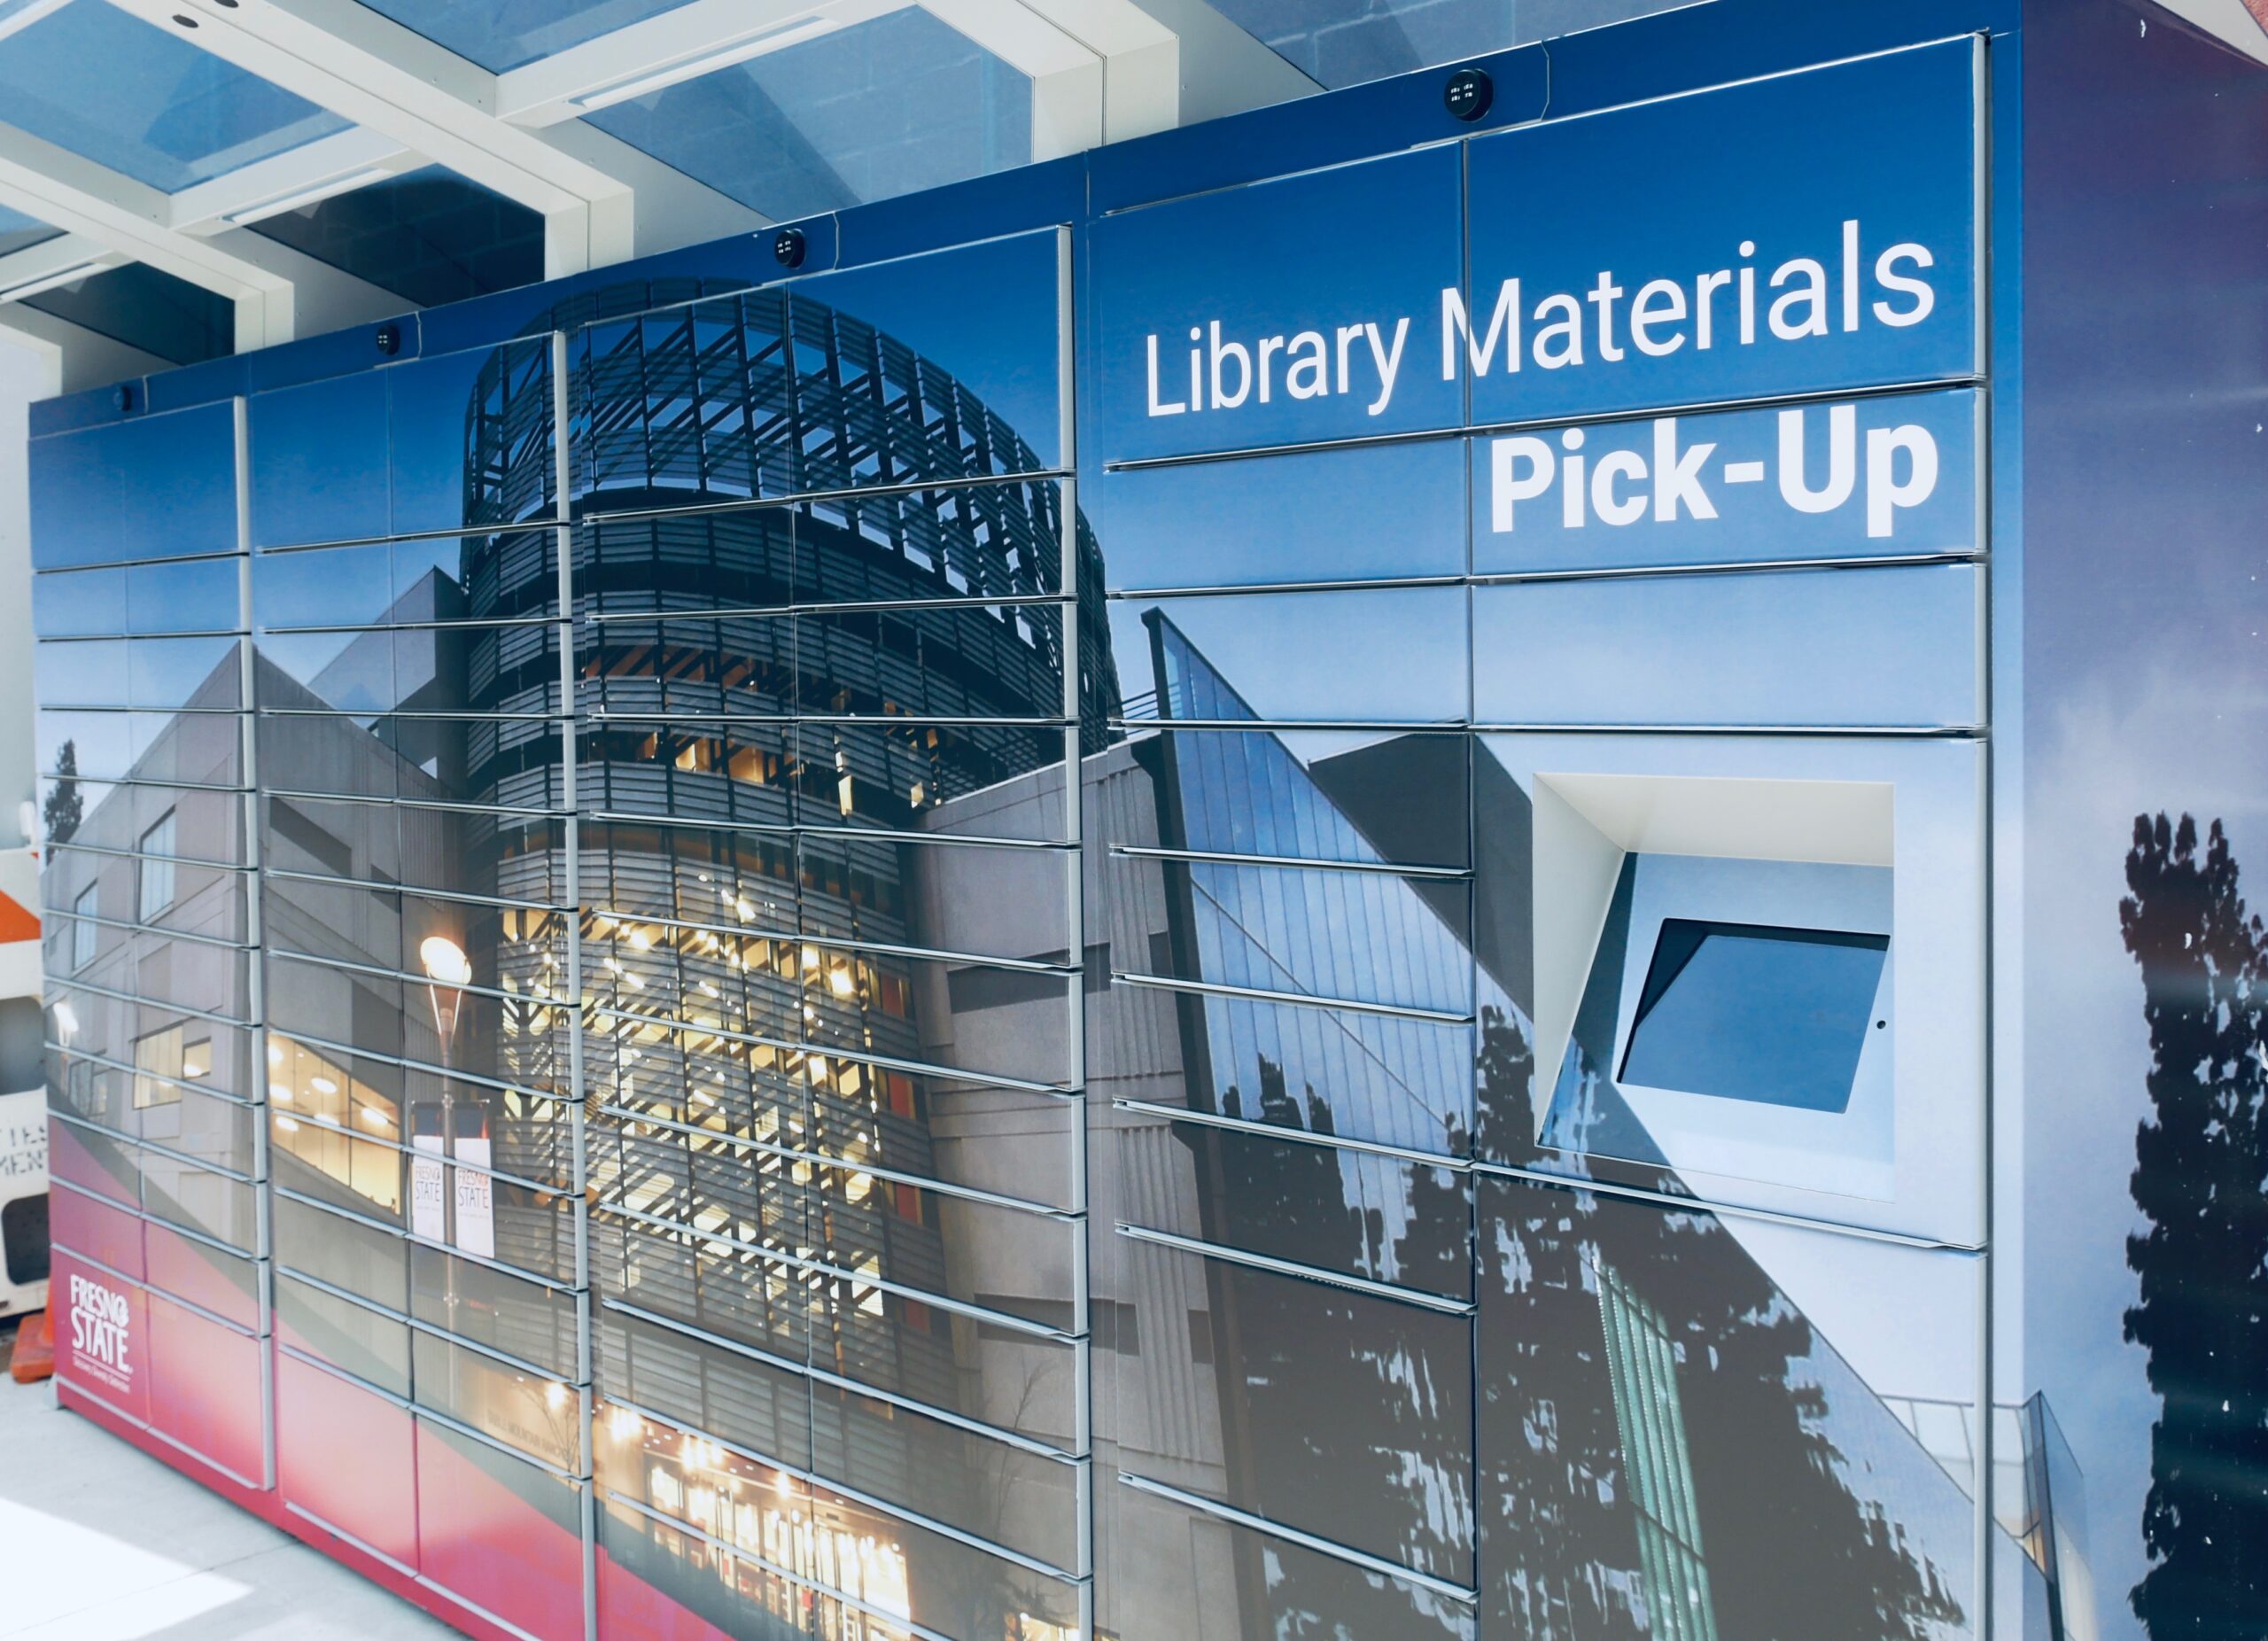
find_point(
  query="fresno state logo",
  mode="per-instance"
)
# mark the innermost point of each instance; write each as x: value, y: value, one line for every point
x: 99, y: 1317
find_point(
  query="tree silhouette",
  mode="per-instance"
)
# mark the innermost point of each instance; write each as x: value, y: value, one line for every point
x: 2201, y: 1158
x: 1768, y: 1478
x: 64, y: 807
x: 1319, y: 1391
x: 1327, y: 1395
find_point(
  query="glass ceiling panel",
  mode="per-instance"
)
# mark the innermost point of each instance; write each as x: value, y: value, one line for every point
x: 1343, y: 43
x: 498, y: 34
x: 130, y: 96
x: 141, y: 306
x: 889, y: 106
x: 428, y: 235
x: 18, y: 232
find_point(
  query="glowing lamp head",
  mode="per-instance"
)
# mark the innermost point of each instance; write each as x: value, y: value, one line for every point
x: 445, y: 961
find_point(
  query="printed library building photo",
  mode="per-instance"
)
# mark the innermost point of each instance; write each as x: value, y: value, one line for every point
x: 1458, y: 860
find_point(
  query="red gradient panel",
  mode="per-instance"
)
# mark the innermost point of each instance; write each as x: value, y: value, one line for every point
x: 68, y: 1159
x: 205, y: 1392
x: 500, y: 1532
x: 205, y: 1277
x: 108, y: 1235
x: 265, y: 1505
x: 347, y: 1457
x: 101, y: 1335
x: 630, y: 1606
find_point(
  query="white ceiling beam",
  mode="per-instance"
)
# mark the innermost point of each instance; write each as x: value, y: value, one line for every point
x: 278, y: 292
x: 67, y: 192
x: 24, y: 16
x: 52, y: 262
x: 1071, y: 73
x: 1224, y: 70
x: 299, y: 176
x: 73, y: 356
x: 1103, y: 71
x: 682, y: 44
x: 367, y: 68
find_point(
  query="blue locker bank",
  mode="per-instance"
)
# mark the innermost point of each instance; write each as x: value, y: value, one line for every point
x: 1465, y: 861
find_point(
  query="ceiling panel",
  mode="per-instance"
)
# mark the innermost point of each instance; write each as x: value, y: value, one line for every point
x: 1343, y: 43
x: 895, y: 104
x: 142, y: 308
x: 501, y: 35
x: 18, y: 232
x: 140, y: 101
x: 428, y: 235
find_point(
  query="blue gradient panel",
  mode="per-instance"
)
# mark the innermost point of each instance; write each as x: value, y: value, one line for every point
x: 1873, y: 478
x: 432, y: 402
x: 193, y: 595
x: 1373, y: 512
x: 383, y: 452
x: 180, y: 500
x: 1626, y: 230
x: 1847, y: 648
x: 1369, y: 656
x: 1745, y: 1012
x: 986, y: 313
x: 1313, y: 304
x: 317, y: 461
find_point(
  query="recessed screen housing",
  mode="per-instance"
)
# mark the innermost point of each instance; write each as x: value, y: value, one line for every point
x: 1755, y: 1011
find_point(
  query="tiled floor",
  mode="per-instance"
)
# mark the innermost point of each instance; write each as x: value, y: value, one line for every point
x: 100, y: 1543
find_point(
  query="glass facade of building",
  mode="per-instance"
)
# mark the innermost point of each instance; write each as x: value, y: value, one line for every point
x: 747, y: 950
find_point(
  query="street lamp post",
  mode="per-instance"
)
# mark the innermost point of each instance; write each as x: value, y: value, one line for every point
x: 447, y: 972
